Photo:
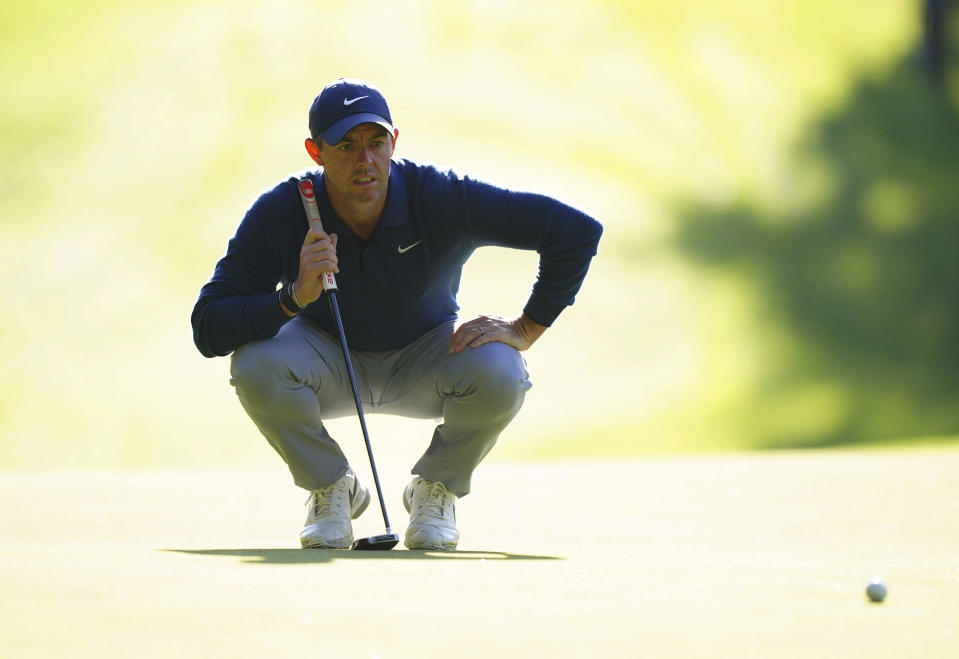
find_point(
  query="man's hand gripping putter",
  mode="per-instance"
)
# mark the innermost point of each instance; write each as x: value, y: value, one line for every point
x: 313, y: 215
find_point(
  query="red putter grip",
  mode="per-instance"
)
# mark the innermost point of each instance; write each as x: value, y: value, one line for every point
x: 308, y: 195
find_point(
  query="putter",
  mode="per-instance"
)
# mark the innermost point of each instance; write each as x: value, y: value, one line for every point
x: 389, y: 539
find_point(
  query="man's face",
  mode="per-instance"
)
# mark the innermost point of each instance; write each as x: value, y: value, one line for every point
x: 357, y: 168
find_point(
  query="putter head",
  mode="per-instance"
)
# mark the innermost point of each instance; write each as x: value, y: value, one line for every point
x: 383, y: 542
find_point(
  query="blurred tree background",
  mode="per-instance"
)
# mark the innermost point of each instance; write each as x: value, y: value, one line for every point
x: 855, y: 278
x: 777, y: 183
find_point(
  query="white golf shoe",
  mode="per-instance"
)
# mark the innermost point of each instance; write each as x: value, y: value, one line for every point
x: 328, y: 522
x: 432, y: 515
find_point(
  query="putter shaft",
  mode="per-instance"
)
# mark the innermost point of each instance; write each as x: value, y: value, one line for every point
x: 335, y: 308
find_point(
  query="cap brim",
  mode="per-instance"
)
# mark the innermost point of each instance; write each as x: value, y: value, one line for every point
x: 335, y: 133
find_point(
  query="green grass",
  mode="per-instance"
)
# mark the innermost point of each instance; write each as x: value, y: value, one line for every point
x: 753, y: 555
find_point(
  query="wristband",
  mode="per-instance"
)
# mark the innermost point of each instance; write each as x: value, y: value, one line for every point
x: 288, y: 301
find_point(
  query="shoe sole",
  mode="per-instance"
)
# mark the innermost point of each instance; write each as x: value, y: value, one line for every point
x: 307, y: 544
x: 426, y: 543
x: 431, y: 546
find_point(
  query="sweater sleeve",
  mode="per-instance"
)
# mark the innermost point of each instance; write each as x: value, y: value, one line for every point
x: 240, y: 302
x: 565, y: 238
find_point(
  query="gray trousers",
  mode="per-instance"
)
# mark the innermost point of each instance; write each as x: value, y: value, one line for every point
x: 290, y: 383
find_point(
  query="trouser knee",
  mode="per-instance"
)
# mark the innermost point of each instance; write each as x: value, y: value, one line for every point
x: 256, y: 371
x: 496, y: 375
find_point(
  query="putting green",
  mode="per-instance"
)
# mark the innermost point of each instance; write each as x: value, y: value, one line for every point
x: 720, y: 556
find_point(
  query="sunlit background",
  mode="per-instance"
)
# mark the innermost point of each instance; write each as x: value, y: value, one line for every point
x: 778, y: 183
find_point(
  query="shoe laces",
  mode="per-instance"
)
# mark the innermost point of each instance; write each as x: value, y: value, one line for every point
x: 326, y: 501
x: 435, y: 502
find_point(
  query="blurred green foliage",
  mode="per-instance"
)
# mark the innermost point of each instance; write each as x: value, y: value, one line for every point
x: 860, y: 280
x: 134, y: 135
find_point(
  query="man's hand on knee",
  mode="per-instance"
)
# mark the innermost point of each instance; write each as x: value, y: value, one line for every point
x: 519, y: 333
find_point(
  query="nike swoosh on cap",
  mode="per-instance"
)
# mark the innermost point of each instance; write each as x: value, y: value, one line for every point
x: 351, y: 101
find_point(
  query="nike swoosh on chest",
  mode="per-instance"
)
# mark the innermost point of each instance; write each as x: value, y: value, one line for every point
x: 404, y: 249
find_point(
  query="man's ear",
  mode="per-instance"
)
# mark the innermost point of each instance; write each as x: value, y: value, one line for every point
x: 313, y: 149
x: 396, y: 136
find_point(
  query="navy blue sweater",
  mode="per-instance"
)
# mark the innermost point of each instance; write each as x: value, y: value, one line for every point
x: 403, y: 281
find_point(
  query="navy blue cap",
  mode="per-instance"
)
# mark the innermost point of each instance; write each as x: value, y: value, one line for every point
x: 346, y: 103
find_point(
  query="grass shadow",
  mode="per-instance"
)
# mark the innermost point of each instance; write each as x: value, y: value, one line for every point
x: 290, y: 556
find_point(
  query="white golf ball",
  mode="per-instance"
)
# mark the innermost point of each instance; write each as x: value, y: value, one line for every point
x: 876, y: 590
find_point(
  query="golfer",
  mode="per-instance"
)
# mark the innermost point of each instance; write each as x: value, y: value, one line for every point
x: 396, y: 235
